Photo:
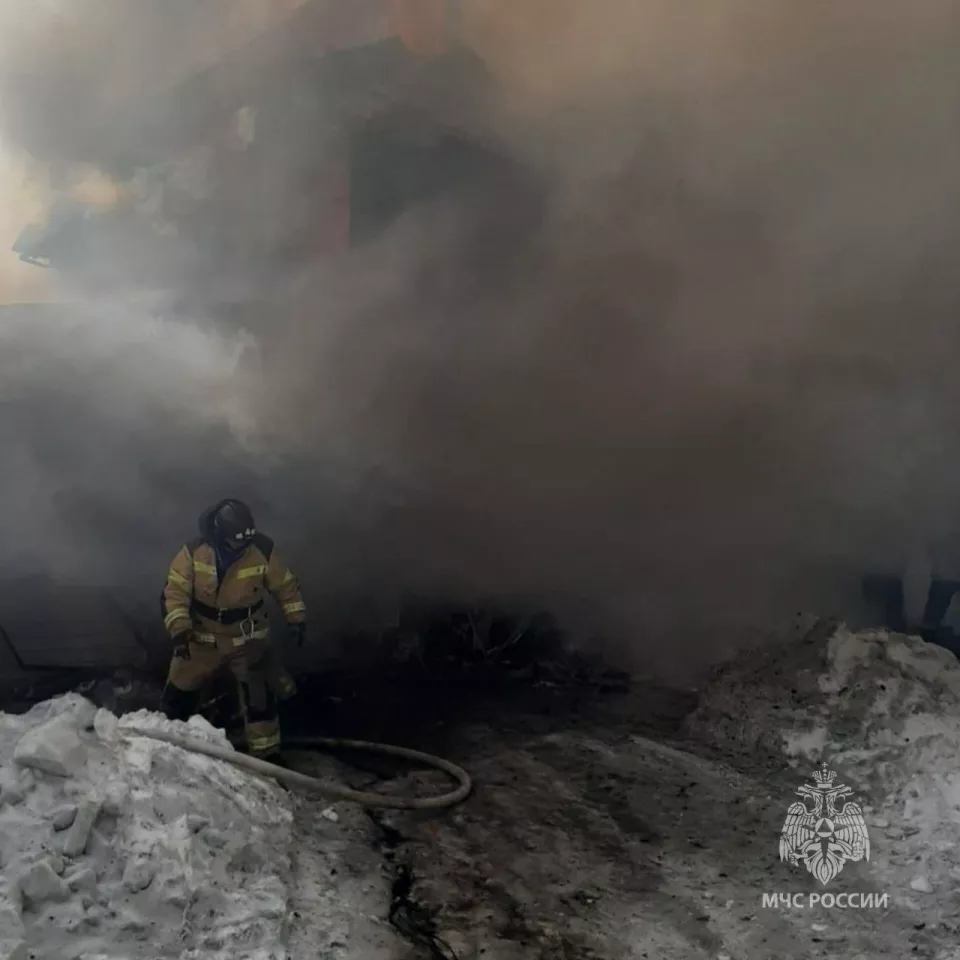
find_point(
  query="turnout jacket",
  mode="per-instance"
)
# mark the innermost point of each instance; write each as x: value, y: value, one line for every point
x: 196, y: 598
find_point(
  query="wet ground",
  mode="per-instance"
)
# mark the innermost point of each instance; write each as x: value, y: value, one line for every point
x: 598, y: 829
x: 492, y: 878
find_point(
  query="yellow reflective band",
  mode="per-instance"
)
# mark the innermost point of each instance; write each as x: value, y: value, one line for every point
x: 263, y: 744
x: 200, y: 567
x: 256, y: 635
x: 289, y: 576
x: 174, y: 615
x: 297, y: 607
x: 246, y: 572
x: 204, y: 638
x: 175, y: 577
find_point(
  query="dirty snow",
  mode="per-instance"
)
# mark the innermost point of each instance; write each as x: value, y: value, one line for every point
x: 883, y: 711
x: 117, y: 846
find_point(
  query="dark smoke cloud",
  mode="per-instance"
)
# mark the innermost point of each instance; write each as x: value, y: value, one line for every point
x: 717, y: 385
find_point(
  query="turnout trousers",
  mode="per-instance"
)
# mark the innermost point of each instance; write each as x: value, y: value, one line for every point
x: 258, y: 680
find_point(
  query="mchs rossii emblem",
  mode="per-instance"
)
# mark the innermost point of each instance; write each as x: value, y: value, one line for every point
x: 820, y: 834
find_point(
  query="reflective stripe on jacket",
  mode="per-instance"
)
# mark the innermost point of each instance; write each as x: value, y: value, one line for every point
x: 258, y: 570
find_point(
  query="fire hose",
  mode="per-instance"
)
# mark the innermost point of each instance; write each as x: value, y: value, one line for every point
x: 328, y: 788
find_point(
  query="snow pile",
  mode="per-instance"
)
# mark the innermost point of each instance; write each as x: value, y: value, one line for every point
x: 883, y: 710
x: 113, y: 845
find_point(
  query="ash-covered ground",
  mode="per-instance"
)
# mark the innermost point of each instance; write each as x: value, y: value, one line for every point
x: 609, y: 820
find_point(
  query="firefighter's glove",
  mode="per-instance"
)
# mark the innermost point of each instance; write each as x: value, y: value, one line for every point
x: 298, y: 634
x: 181, y: 647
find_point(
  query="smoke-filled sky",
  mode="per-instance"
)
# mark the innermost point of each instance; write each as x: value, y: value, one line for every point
x: 720, y: 387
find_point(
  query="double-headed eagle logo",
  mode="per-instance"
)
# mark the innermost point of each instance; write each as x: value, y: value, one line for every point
x: 824, y: 838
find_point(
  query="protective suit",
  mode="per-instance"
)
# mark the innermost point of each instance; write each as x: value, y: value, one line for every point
x: 214, y: 610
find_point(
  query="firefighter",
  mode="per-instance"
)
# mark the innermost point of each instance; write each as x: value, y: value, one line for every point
x: 213, y: 608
